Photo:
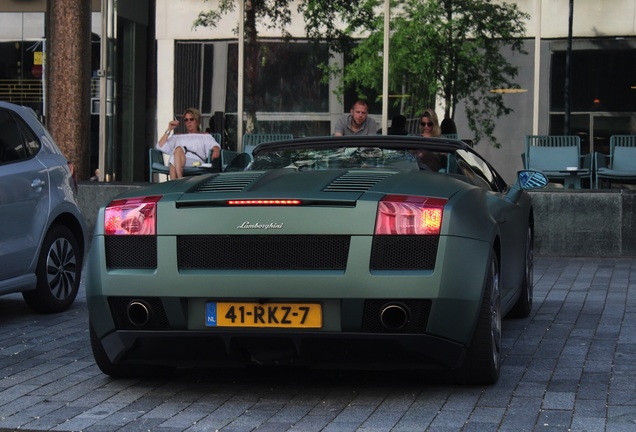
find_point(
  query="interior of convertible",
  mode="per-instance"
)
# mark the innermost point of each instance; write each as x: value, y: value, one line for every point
x: 457, y: 162
x: 357, y: 157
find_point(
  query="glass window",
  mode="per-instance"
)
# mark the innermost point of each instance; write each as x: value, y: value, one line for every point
x: 188, y: 61
x: 601, y: 80
x: 21, y: 59
x: 288, y: 81
x: 483, y: 177
x: 32, y: 142
x: 12, y: 146
x: 206, y: 85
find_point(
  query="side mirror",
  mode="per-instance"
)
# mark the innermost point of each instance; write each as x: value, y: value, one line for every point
x: 531, y: 180
x: 526, y: 179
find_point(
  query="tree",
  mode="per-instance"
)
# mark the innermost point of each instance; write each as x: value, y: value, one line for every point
x: 447, y: 48
x: 321, y: 25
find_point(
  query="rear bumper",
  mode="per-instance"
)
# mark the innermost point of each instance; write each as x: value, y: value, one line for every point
x: 317, y: 349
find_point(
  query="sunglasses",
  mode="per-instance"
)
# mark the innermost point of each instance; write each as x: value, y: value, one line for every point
x: 425, y: 124
x: 188, y: 119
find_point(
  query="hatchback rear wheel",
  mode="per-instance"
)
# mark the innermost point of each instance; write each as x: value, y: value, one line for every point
x: 58, y: 272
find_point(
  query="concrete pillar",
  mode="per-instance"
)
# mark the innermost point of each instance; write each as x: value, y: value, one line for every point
x: 68, y: 79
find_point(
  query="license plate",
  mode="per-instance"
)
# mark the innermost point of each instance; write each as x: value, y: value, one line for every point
x: 288, y: 315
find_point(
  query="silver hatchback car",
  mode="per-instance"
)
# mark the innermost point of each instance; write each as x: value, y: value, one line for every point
x: 42, y: 231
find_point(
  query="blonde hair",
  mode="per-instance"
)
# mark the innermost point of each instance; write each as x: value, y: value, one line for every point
x: 196, y: 114
x: 430, y: 113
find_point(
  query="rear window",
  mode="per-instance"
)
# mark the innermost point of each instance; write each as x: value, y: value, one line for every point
x: 17, y: 142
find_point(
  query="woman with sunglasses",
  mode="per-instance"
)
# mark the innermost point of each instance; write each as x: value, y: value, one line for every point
x: 189, y: 149
x: 429, y: 125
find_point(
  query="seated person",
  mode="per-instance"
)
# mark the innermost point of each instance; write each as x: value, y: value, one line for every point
x: 189, y: 149
x: 430, y: 160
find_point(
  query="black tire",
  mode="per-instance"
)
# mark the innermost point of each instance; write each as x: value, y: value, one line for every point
x: 483, y: 358
x: 58, y: 272
x: 523, y: 306
x: 124, y: 371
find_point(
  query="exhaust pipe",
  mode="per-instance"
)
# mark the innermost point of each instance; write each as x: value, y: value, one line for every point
x: 138, y: 313
x: 394, y: 316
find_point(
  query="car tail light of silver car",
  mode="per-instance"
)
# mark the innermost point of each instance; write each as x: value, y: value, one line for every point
x: 131, y: 216
x: 409, y: 215
x: 73, y: 175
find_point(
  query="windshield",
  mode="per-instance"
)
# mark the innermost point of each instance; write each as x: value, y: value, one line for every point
x: 426, y: 156
x: 335, y: 158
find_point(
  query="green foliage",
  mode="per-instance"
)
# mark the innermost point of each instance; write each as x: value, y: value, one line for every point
x: 270, y: 13
x: 446, y: 48
x: 439, y: 48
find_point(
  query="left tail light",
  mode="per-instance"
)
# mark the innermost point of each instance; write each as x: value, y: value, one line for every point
x: 73, y: 175
x: 409, y: 215
x: 131, y: 216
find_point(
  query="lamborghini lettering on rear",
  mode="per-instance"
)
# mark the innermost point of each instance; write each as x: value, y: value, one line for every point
x: 260, y: 226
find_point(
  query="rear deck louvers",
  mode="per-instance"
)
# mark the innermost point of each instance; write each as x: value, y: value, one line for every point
x: 356, y: 181
x: 235, y: 182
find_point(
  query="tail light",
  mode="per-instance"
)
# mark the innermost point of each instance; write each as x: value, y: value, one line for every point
x: 131, y: 216
x: 73, y: 174
x: 409, y: 215
x: 265, y: 202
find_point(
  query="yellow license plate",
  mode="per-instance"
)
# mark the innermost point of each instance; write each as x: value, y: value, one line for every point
x: 287, y: 315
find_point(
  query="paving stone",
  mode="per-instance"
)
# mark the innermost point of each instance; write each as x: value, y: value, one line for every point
x: 569, y: 365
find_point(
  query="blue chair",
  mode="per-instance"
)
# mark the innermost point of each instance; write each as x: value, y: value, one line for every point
x: 250, y: 141
x: 217, y: 137
x: 620, y: 164
x: 239, y: 163
x: 226, y: 158
x: 559, y: 158
x: 157, y: 165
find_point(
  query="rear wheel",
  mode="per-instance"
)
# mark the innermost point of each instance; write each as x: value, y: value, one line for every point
x: 523, y: 306
x: 58, y: 272
x: 483, y: 359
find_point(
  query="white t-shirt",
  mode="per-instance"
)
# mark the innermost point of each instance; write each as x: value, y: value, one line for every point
x: 197, y: 147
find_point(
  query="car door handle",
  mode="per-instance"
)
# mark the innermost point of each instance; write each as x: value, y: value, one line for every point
x: 37, y: 184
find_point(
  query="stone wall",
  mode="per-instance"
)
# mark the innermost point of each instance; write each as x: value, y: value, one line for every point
x: 585, y: 223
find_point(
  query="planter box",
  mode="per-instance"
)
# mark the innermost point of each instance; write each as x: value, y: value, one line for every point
x: 590, y: 223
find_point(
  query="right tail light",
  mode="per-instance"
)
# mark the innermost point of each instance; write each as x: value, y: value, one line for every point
x: 409, y: 215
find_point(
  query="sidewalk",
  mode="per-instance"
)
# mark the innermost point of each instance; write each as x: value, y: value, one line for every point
x: 569, y: 366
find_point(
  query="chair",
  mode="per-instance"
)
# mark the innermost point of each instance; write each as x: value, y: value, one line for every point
x: 158, y: 166
x: 217, y: 137
x: 559, y: 158
x: 620, y: 164
x: 226, y: 157
x: 239, y: 163
x: 250, y: 141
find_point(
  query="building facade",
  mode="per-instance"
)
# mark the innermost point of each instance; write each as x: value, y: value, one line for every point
x: 154, y: 64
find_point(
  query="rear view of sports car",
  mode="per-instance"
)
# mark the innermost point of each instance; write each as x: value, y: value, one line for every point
x: 365, y: 252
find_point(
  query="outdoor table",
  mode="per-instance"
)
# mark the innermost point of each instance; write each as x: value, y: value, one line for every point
x: 573, y: 180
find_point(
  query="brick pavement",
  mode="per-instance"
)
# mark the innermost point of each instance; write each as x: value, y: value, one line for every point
x: 570, y: 366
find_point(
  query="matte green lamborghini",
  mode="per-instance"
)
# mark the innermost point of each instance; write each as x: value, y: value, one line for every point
x: 363, y: 252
